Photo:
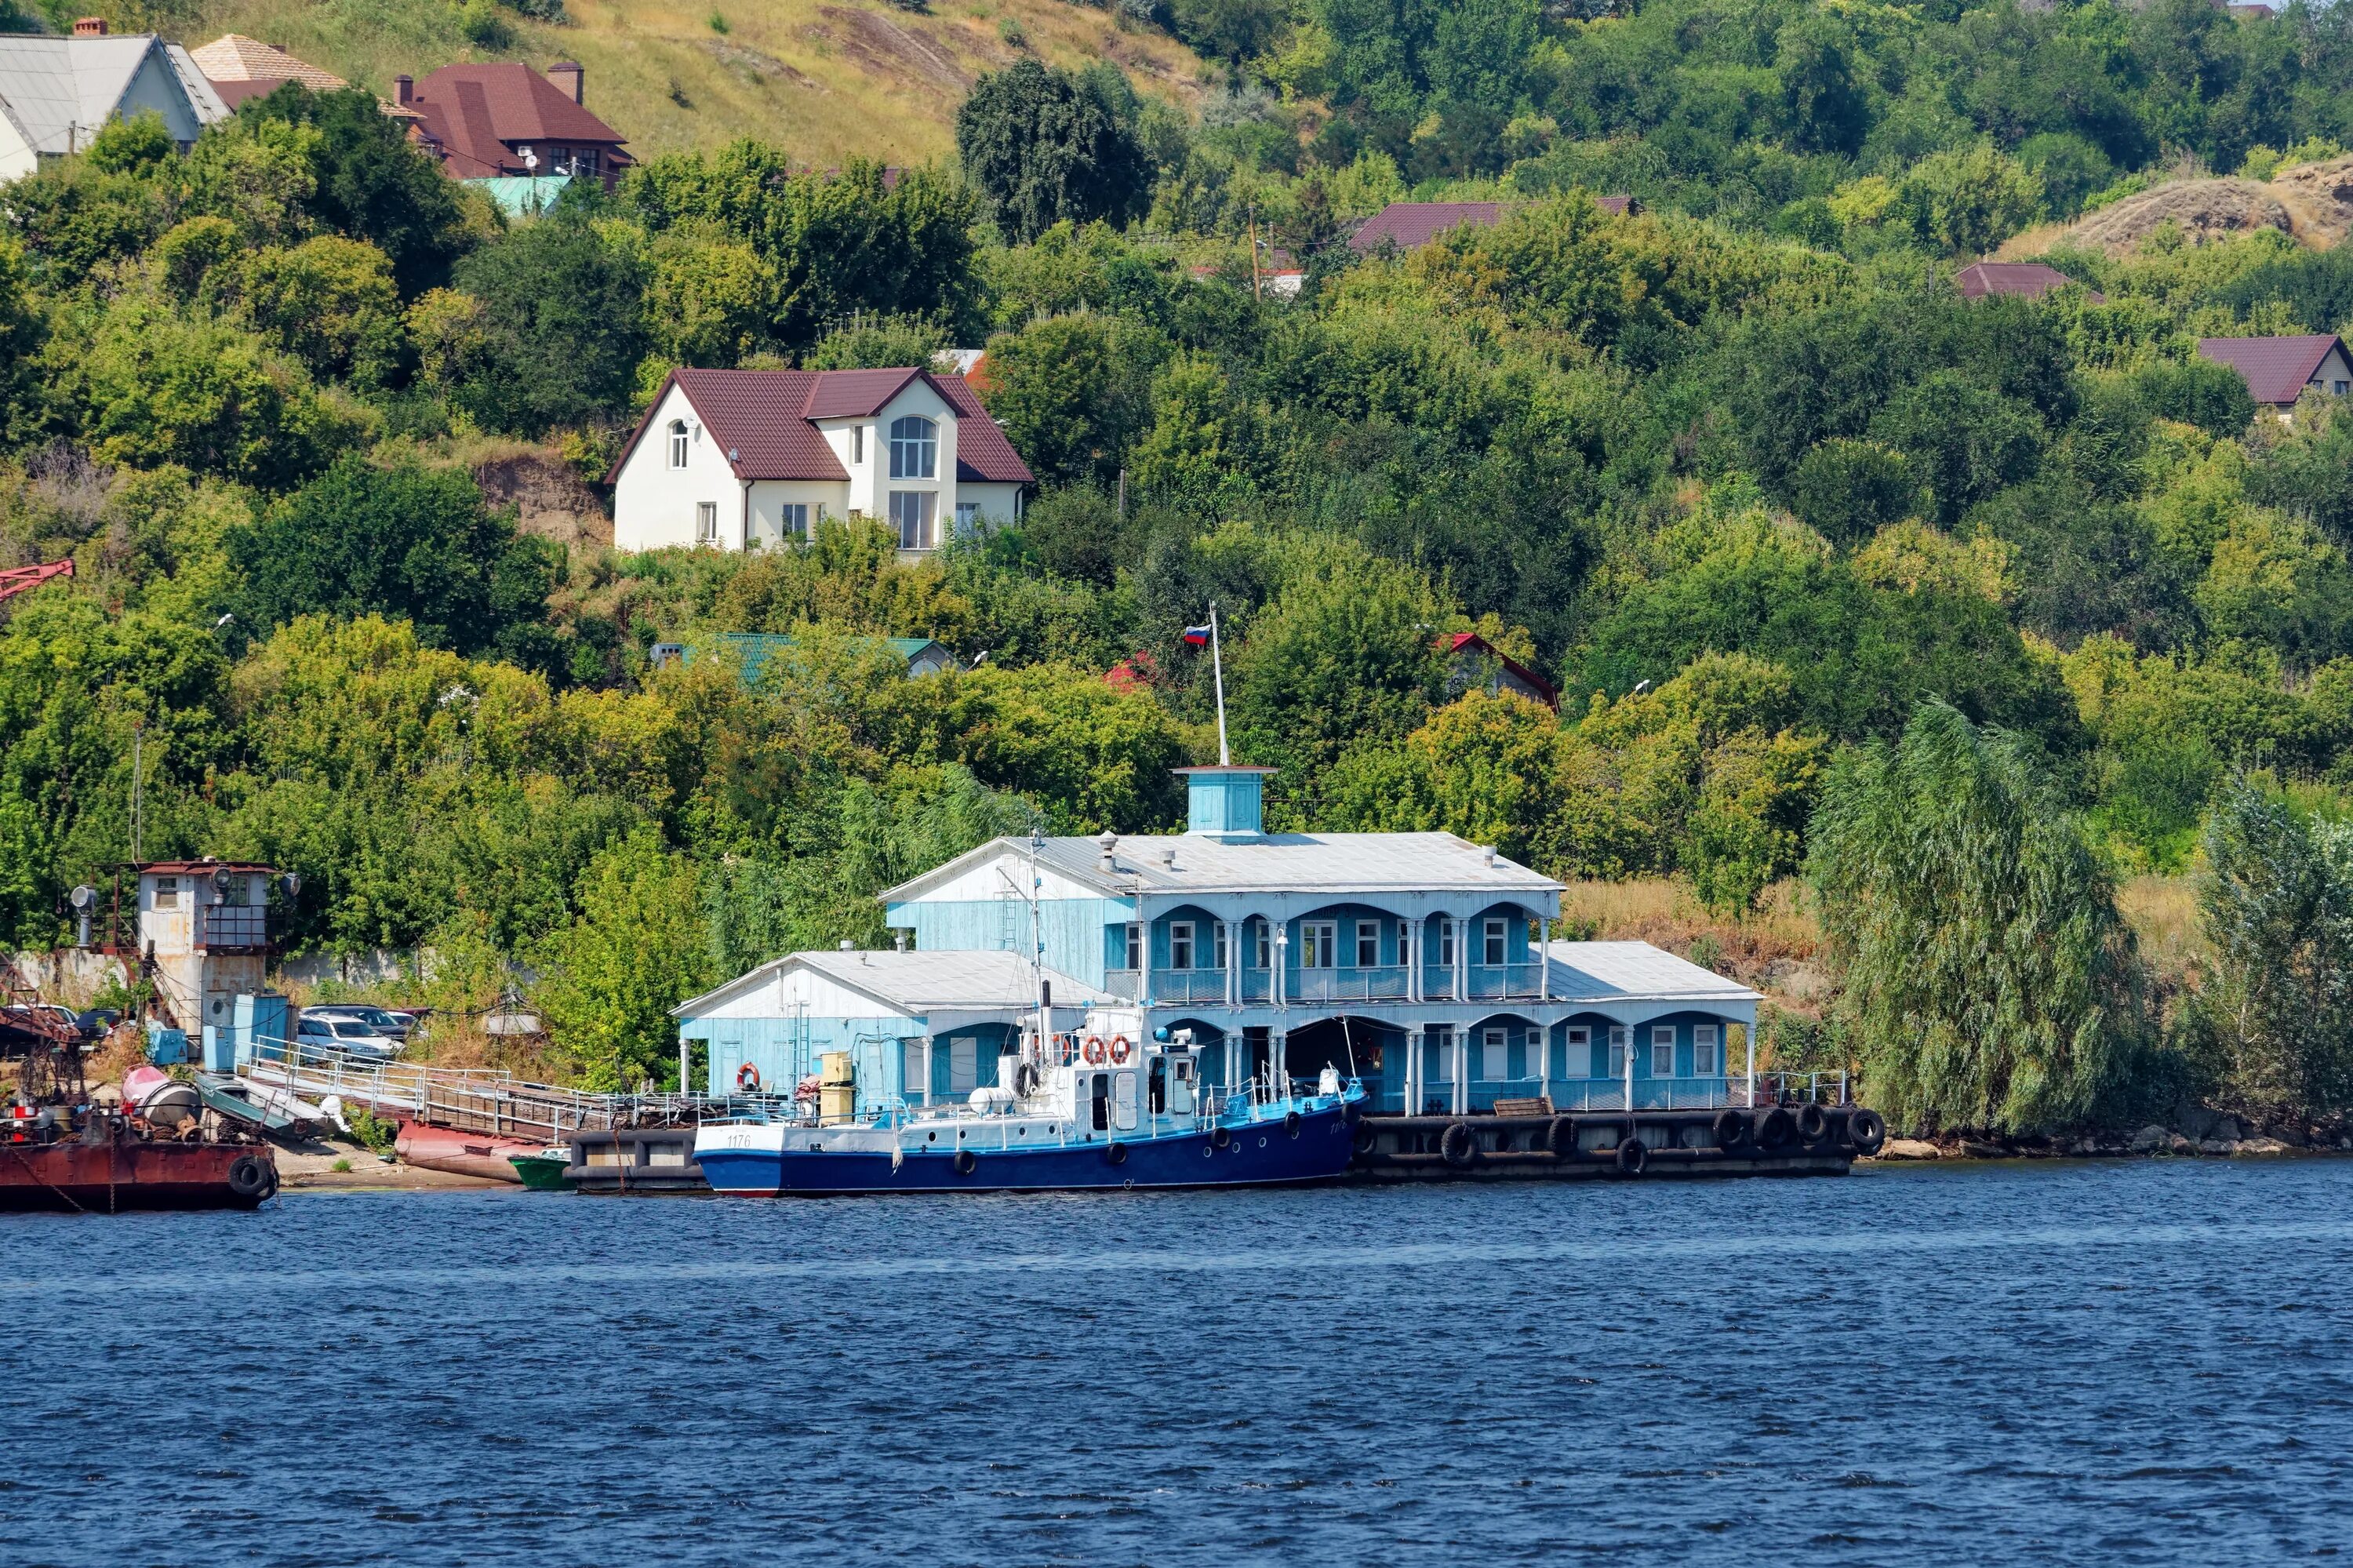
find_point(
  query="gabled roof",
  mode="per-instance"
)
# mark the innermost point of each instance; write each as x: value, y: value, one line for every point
x: 58, y: 92
x: 2276, y: 368
x: 2022, y: 280
x: 233, y: 57
x: 766, y: 419
x: 1476, y: 646
x: 1635, y: 972
x: 917, y: 984
x: 481, y: 114
x: 1410, y: 225
x: 1318, y: 863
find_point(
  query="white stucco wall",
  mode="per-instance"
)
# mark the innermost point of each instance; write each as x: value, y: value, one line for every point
x: 997, y: 502
x: 653, y: 503
x: 154, y: 86
x: 770, y: 496
x: 18, y: 158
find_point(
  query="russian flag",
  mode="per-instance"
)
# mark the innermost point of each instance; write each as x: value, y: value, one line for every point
x: 1198, y: 636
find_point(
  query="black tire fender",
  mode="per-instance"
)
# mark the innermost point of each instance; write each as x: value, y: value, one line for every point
x: 1867, y: 1129
x: 1631, y: 1157
x: 1219, y: 1137
x: 966, y: 1162
x: 1291, y: 1123
x: 252, y: 1178
x: 1116, y: 1153
x: 1773, y: 1128
x: 1813, y: 1124
x: 1560, y: 1137
x: 1731, y: 1130
x: 1368, y: 1138
x: 1459, y: 1146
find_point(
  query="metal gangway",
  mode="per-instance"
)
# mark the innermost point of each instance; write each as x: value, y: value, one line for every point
x: 470, y: 1099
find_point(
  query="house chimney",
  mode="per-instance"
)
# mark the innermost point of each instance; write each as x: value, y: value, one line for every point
x: 403, y: 90
x: 566, y: 75
x: 89, y: 27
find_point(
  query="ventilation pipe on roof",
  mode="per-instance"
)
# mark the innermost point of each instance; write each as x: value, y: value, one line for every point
x: 1107, y: 842
x: 1488, y: 851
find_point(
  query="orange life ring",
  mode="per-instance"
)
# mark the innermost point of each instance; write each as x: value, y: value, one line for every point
x: 747, y: 1078
x: 1119, y: 1050
x: 1094, y: 1050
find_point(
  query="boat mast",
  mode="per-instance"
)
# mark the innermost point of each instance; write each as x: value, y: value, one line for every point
x: 1038, y: 943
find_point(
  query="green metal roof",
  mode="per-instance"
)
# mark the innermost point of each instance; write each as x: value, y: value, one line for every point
x: 520, y: 196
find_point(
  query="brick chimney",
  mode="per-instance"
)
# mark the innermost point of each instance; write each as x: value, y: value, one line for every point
x: 89, y: 27
x: 566, y: 75
x: 403, y: 90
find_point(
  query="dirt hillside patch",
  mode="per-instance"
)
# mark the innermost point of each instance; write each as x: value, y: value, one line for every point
x: 548, y: 498
x: 877, y: 43
x: 2319, y: 198
x: 2203, y: 209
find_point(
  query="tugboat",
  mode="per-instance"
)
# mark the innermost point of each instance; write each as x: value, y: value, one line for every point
x: 1093, y: 1109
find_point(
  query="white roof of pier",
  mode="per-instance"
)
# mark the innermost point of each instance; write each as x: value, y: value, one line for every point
x: 1636, y: 971
x: 1258, y: 862
x: 917, y: 985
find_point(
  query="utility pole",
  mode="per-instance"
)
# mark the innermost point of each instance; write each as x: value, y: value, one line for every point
x: 1252, y: 210
x: 138, y: 792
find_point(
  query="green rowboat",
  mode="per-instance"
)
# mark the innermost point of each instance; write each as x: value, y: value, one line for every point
x: 543, y: 1172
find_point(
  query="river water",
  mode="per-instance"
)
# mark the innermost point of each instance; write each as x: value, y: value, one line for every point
x: 2145, y: 1361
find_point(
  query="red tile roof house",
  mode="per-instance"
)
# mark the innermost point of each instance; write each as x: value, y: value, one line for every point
x: 485, y: 122
x: 2279, y: 370
x: 729, y: 460
x: 1410, y: 225
x: 2021, y: 279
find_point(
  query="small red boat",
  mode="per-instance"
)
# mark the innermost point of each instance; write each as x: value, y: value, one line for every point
x: 123, y: 1172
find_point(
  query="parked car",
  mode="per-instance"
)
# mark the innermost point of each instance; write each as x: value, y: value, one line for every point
x: 98, y: 1022
x: 384, y: 1020
x: 350, y: 1038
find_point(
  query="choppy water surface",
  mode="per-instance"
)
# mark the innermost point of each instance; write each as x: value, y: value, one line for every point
x: 2136, y: 1362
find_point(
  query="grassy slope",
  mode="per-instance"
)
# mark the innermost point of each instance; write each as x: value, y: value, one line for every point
x: 828, y: 79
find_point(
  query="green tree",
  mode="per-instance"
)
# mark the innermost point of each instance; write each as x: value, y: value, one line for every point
x: 1043, y: 147
x: 635, y: 950
x: 328, y: 302
x: 562, y: 325
x: 407, y: 541
x: 369, y: 183
x: 1987, y: 980
x: 2277, y: 903
x: 1075, y: 394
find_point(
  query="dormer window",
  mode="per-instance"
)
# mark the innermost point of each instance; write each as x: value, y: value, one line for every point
x: 915, y: 448
x: 677, y: 443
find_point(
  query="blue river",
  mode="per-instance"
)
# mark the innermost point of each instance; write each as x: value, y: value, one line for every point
x: 2128, y: 1363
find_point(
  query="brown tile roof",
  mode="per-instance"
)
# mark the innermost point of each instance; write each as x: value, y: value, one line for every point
x: 233, y: 58
x: 2024, y: 279
x: 481, y: 114
x: 763, y: 418
x: 1410, y: 225
x: 2275, y: 368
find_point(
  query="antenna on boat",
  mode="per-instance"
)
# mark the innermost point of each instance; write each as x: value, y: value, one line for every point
x: 1038, y: 942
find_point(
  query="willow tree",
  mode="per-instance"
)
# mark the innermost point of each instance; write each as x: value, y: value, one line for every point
x: 1988, y: 981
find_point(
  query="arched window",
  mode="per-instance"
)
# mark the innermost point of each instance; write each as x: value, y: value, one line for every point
x: 677, y: 443
x: 915, y: 448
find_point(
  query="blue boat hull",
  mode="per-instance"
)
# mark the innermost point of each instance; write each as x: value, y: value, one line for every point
x: 1261, y: 1154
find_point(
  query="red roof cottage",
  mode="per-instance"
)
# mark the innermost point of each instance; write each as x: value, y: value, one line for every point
x: 1410, y: 225
x: 503, y: 119
x: 2021, y: 279
x: 730, y: 459
x: 2279, y: 369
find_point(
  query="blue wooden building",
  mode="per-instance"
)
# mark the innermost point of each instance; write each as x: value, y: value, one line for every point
x: 1420, y: 962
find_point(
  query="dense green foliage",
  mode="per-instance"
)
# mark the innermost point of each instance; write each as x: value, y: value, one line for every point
x: 1973, y: 608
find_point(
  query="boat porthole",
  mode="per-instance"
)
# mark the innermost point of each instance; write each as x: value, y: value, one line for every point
x: 1208, y: 1153
x: 931, y: 1138
x: 1261, y: 1143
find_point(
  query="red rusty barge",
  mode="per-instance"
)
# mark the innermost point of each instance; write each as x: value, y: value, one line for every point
x: 108, y: 1166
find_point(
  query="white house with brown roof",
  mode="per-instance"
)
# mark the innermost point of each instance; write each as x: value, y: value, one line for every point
x: 733, y: 459
x: 2279, y: 370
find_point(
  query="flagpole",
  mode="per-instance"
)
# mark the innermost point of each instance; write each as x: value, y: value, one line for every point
x: 1218, y: 668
